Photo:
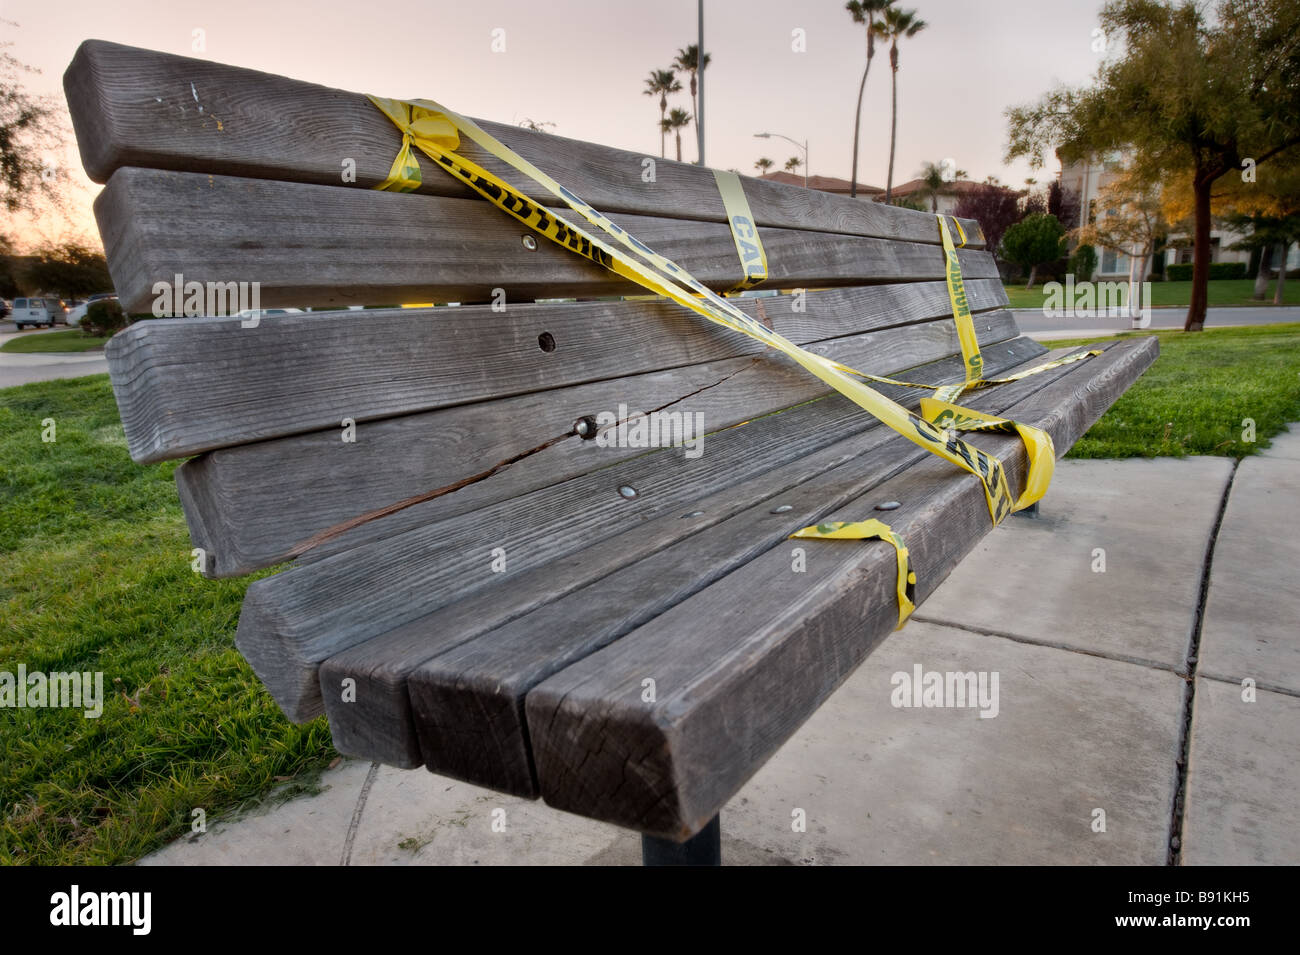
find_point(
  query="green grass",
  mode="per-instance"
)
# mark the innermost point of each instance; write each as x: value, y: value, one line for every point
x: 1195, y: 397
x: 95, y: 575
x: 71, y: 340
x: 1221, y: 292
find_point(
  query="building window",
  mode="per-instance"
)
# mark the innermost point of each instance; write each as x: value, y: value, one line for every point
x: 1113, y: 263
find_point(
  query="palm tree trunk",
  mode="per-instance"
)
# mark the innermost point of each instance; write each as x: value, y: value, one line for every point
x: 857, y: 125
x: 663, y: 114
x: 679, y: 144
x: 893, y: 124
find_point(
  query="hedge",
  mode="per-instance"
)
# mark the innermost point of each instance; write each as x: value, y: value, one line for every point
x: 1218, y: 270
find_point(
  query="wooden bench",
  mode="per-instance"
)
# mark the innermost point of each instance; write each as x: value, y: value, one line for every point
x: 479, y: 587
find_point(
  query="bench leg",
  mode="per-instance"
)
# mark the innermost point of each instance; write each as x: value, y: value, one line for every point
x: 703, y: 848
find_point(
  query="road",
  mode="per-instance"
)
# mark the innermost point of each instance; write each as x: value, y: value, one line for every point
x: 1033, y: 322
x: 21, y: 369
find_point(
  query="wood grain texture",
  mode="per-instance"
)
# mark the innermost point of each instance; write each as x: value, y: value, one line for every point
x: 378, y: 725
x: 189, y: 385
x: 248, y: 510
x: 308, y: 245
x: 776, y: 644
x: 135, y: 107
x: 296, y: 619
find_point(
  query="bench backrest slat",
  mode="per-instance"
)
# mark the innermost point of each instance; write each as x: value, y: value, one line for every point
x: 191, y: 385
x: 314, y: 245
x: 135, y: 107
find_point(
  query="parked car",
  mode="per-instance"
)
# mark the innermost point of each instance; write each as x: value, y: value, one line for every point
x: 6, y: 307
x: 36, y: 311
x: 79, y: 311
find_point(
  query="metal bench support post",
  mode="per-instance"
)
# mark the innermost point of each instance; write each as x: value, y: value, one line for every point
x: 703, y: 848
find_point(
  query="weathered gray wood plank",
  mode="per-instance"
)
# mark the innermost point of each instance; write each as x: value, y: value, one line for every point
x: 730, y: 691
x: 378, y: 724
x: 319, y: 246
x: 292, y: 621
x: 248, y: 510
x: 189, y: 385
x: 134, y: 107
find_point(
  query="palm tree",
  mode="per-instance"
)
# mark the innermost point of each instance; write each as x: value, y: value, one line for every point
x: 896, y: 23
x: 793, y: 163
x: 660, y: 83
x: 688, y: 62
x: 863, y: 11
x: 677, y: 119
x: 763, y: 165
x: 934, y: 176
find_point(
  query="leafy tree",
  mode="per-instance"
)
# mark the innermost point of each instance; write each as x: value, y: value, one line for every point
x: 1129, y: 220
x: 676, y: 120
x: 763, y: 165
x: 996, y: 208
x: 69, y: 269
x: 895, y: 24
x: 29, y: 131
x: 1064, y: 204
x: 1190, y: 98
x: 866, y: 12
x: 660, y: 83
x: 1034, y: 240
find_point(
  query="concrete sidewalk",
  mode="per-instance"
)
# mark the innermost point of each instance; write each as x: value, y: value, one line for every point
x: 1087, y: 614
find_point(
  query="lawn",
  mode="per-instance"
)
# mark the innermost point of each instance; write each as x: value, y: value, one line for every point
x: 1221, y: 292
x: 95, y: 575
x: 1194, y: 399
x: 68, y: 341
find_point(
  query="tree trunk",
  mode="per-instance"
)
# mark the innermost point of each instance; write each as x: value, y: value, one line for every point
x: 1282, y: 249
x: 1033, y: 273
x: 893, y: 124
x: 1200, y: 254
x: 857, y: 125
x: 1261, y: 276
x: 679, y: 145
x: 663, y: 114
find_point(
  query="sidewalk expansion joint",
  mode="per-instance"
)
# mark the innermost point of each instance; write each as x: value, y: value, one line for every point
x: 1054, y: 645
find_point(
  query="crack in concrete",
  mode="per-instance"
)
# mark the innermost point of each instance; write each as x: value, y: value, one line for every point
x: 1179, y: 807
x: 356, y: 813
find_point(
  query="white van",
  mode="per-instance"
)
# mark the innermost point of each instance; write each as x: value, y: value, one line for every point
x: 36, y: 311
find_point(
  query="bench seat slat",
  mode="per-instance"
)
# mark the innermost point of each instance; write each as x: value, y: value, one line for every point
x: 292, y: 621
x: 135, y: 107
x: 485, y: 651
x: 189, y: 385
x: 247, y: 510
x: 320, y: 246
x: 775, y: 645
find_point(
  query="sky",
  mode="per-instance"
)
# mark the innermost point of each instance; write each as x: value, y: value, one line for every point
x: 582, y: 64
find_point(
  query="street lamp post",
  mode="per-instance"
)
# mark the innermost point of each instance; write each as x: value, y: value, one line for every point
x: 802, y: 145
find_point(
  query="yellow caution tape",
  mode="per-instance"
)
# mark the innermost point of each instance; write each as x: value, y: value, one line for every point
x: 433, y: 129
x: 753, y: 259
x: 871, y: 530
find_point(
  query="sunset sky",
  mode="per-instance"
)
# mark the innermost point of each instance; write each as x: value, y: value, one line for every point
x: 581, y: 65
